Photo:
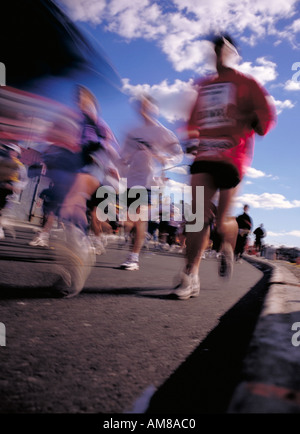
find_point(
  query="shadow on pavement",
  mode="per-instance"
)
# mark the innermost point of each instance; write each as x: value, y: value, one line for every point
x: 8, y: 292
x: 204, y: 383
x: 151, y: 292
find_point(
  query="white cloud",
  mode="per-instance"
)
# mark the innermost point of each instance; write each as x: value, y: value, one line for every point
x: 180, y: 27
x: 135, y: 19
x: 85, y: 10
x: 179, y: 190
x: 255, y: 16
x: 295, y: 233
x: 292, y: 85
x: 283, y: 238
x: 289, y: 32
x: 174, y: 100
x: 255, y: 173
x: 264, y: 71
x: 282, y: 105
x: 188, y: 54
x: 266, y: 201
x: 175, y: 185
x: 179, y: 170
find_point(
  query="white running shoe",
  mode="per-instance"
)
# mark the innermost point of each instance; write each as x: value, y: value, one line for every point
x: 76, y: 256
x: 189, y: 286
x: 41, y: 240
x: 130, y: 265
x: 226, y: 261
x: 98, y: 245
x: 103, y: 240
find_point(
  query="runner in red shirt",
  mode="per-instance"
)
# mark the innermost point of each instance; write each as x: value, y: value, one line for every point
x: 230, y: 108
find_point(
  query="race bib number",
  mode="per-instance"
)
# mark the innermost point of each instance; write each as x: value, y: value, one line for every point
x: 213, y: 105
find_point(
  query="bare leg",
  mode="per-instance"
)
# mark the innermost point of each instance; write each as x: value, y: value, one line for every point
x: 196, y: 242
x: 49, y: 222
x: 140, y: 231
x: 225, y: 226
x: 96, y: 225
x: 230, y: 231
x: 74, y: 206
x: 128, y: 225
x: 140, y: 227
x: 75, y: 257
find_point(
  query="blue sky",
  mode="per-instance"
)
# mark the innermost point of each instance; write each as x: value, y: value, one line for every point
x: 161, y: 46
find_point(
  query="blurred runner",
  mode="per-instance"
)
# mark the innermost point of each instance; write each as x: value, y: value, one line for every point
x: 244, y: 222
x: 13, y: 176
x: 50, y: 212
x: 98, y: 160
x: 146, y: 145
x: 229, y: 110
x: 94, y: 163
x: 259, y: 233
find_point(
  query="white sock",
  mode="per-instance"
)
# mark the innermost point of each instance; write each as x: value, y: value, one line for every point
x: 134, y: 257
x: 44, y: 235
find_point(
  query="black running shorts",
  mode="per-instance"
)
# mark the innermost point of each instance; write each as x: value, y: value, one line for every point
x: 225, y: 175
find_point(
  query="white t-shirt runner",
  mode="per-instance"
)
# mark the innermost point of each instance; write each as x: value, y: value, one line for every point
x: 144, y: 146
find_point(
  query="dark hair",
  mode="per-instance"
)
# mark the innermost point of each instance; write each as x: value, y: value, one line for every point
x: 149, y: 98
x: 218, y: 40
x: 139, y: 100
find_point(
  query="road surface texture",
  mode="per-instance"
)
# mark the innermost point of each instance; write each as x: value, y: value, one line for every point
x: 123, y: 340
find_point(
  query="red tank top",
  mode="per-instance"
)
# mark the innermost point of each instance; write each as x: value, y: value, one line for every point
x: 223, y: 114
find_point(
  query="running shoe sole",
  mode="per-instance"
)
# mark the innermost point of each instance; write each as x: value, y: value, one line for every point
x: 226, y: 261
x: 191, y: 290
x: 133, y: 267
x: 77, y: 262
x: 39, y: 243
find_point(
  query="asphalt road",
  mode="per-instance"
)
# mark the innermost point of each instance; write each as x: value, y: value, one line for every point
x: 123, y: 339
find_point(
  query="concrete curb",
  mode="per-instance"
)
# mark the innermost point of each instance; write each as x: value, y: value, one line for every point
x: 270, y: 380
